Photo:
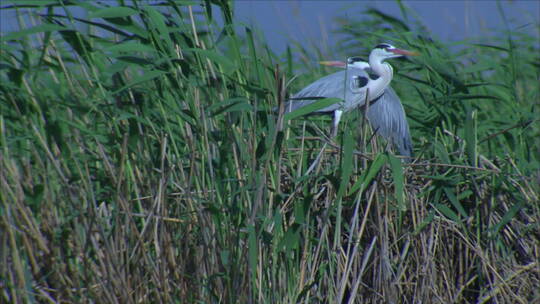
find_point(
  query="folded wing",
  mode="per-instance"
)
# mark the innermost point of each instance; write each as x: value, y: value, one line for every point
x: 387, y: 118
x: 346, y: 85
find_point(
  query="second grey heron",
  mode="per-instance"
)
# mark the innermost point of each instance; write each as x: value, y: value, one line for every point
x: 355, y: 86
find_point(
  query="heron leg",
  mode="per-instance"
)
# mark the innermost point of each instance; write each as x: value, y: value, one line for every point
x: 337, y: 118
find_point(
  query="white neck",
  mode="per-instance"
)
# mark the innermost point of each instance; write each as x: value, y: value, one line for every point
x: 385, y: 73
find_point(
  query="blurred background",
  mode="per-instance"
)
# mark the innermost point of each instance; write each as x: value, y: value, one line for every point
x: 314, y: 22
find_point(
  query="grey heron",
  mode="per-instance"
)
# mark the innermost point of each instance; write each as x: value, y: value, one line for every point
x: 355, y: 86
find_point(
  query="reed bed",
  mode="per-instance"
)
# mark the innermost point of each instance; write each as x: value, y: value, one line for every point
x: 141, y: 162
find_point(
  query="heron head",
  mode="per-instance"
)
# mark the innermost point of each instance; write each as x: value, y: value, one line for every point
x: 385, y: 51
x: 357, y: 63
x: 352, y: 63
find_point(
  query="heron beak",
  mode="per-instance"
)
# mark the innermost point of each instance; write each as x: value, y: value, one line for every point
x: 340, y: 64
x: 404, y: 52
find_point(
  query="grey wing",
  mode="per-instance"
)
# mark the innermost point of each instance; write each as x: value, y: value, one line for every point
x: 387, y: 117
x: 331, y: 86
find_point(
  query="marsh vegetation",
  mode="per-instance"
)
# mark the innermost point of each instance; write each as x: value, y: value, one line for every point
x: 141, y: 161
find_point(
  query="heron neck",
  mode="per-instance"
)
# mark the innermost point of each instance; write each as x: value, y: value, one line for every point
x: 385, y: 73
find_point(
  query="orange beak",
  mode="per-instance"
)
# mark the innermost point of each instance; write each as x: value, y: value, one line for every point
x: 340, y: 64
x: 404, y: 52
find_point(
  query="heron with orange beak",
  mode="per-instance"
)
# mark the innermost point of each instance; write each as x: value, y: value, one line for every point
x: 361, y: 82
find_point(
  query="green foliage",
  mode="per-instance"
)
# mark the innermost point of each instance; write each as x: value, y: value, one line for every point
x: 142, y: 161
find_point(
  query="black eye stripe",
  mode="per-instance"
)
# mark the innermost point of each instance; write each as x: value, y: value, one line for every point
x: 383, y: 46
x: 355, y: 59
